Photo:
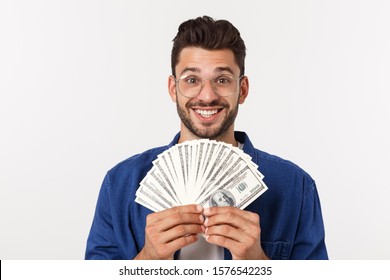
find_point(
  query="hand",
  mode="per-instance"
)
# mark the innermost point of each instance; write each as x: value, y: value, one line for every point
x: 170, y: 230
x: 235, y: 229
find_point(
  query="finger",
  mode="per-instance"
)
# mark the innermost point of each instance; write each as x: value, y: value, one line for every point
x: 226, y: 231
x: 245, y: 222
x: 177, y: 219
x: 208, y: 212
x: 155, y: 249
x: 235, y: 247
x: 231, y: 220
x: 191, y: 208
x: 181, y: 242
x: 243, y: 249
x: 222, y: 241
x: 181, y: 231
x: 232, y: 216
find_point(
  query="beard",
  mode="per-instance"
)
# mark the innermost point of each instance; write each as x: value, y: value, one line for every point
x: 205, y: 130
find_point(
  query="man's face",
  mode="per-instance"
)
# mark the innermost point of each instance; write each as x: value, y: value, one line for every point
x: 220, y: 199
x: 207, y: 115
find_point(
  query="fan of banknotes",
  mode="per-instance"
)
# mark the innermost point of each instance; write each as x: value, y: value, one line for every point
x: 205, y: 172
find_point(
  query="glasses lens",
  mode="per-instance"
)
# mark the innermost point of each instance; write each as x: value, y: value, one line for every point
x: 190, y: 86
x: 223, y: 85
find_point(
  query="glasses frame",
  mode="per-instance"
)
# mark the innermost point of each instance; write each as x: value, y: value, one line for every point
x: 202, y: 85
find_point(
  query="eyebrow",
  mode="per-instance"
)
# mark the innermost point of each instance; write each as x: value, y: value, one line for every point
x: 224, y: 69
x: 216, y: 70
x: 190, y: 69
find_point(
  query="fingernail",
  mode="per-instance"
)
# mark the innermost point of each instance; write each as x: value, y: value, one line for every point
x: 206, y: 211
x: 199, y: 208
x: 201, y: 218
x: 206, y: 221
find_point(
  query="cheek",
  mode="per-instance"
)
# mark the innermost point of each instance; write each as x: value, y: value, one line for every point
x: 234, y: 102
x: 180, y: 102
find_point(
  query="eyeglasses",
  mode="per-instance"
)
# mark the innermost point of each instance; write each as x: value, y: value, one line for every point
x: 223, y: 85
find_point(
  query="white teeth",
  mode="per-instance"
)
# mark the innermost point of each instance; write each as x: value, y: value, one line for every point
x: 206, y: 113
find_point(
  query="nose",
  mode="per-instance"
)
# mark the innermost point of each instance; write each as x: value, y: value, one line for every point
x: 207, y: 92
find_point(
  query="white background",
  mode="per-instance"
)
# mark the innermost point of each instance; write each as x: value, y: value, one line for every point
x: 83, y: 85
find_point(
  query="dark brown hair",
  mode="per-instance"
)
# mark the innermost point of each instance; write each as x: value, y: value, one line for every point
x: 209, y: 34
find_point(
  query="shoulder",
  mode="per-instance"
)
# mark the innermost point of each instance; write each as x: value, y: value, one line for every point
x: 270, y: 165
x: 284, y: 173
x: 277, y: 161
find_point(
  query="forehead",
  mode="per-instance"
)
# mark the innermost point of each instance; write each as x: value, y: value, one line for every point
x: 206, y: 61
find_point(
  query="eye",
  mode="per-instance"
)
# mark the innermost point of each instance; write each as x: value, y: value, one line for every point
x: 191, y: 80
x: 223, y: 80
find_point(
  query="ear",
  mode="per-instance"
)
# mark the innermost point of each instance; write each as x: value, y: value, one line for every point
x: 172, y: 87
x: 244, y: 89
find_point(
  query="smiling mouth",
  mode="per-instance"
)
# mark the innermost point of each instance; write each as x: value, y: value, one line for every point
x: 207, y: 113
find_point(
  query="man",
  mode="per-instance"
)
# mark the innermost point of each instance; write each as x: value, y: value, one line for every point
x: 208, y: 84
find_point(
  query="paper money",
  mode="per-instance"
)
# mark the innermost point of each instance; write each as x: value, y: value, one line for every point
x: 204, y: 172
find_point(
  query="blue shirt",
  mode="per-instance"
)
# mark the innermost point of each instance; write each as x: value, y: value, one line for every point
x: 290, y: 212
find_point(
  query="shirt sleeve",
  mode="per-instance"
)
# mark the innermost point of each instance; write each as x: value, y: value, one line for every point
x: 101, y: 243
x: 310, y: 237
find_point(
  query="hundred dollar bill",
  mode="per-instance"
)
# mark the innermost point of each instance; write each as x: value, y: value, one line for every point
x: 201, y: 171
x: 146, y: 204
x: 239, y: 191
x: 155, y: 188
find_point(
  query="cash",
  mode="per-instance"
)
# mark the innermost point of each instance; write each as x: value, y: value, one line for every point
x: 205, y: 172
